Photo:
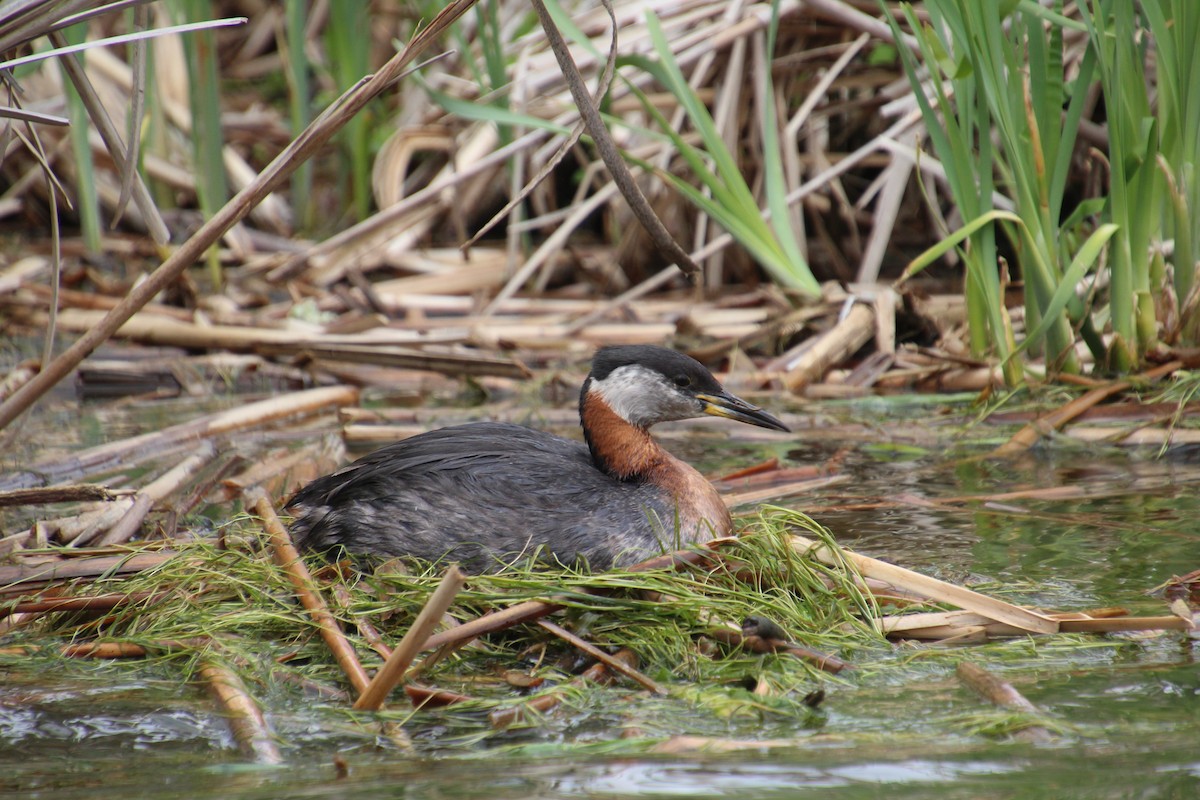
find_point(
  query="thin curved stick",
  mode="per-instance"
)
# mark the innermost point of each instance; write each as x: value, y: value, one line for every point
x: 638, y: 203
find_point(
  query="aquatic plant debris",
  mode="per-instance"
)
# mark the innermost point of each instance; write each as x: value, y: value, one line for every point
x: 676, y: 615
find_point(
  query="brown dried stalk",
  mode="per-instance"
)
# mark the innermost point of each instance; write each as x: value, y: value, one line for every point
x: 245, y: 718
x: 154, y: 443
x: 758, y: 644
x: 535, y: 609
x: 1002, y: 693
x: 604, y: 658
x: 932, y: 588
x: 288, y: 558
x: 1025, y: 438
x: 597, y: 673
x: 102, y: 602
x: 392, y: 672
x: 19, y: 577
x: 638, y: 203
x: 68, y: 493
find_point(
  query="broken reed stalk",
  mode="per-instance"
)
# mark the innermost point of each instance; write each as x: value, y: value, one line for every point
x: 617, y: 167
x: 934, y: 589
x: 155, y: 492
x: 598, y: 673
x: 377, y: 346
x: 288, y: 558
x: 248, y: 416
x: 67, y: 493
x: 245, y: 718
x: 1025, y: 438
x: 846, y: 337
x: 755, y: 496
x: 940, y: 625
x: 757, y: 644
x: 1002, y: 693
x: 428, y: 697
x: 393, y: 670
x: 129, y: 523
x: 310, y: 140
x: 103, y: 650
x: 365, y: 629
x: 15, y: 577
x: 102, y: 602
x: 535, y: 609
x: 601, y: 656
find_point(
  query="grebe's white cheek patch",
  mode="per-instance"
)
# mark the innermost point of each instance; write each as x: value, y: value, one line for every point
x: 642, y: 396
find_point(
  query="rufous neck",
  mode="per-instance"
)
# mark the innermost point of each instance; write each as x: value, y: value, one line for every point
x: 623, y: 450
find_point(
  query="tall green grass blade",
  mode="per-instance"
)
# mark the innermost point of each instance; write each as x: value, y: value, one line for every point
x: 299, y: 103
x: 1135, y: 185
x: 346, y: 38
x: 776, y: 189
x: 1175, y: 25
x: 487, y: 17
x: 208, y: 141
x: 726, y: 206
x: 725, y: 180
x: 953, y: 239
x: 954, y: 131
x: 483, y: 112
x: 86, y: 201
x: 1086, y: 257
x: 738, y: 193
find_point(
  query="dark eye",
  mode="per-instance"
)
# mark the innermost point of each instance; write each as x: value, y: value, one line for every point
x: 683, y: 381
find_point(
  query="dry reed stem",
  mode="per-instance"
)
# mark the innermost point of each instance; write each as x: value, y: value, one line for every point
x: 125, y: 527
x: 535, y: 609
x: 392, y: 672
x: 601, y: 656
x: 386, y: 346
x: 1118, y: 624
x: 1025, y: 438
x: 12, y: 578
x: 835, y: 346
x: 243, y: 714
x: 103, y: 650
x: 103, y: 602
x: 428, y: 697
x: 299, y: 150
x: 732, y: 635
x: 941, y: 625
x: 754, y: 496
x: 155, y: 492
x: 288, y: 559
x: 68, y: 493
x: 1153, y: 437
x: 932, y: 588
x: 1001, y: 693
x: 140, y: 447
x: 365, y: 629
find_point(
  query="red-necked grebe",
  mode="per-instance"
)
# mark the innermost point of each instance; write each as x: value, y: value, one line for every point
x: 489, y: 493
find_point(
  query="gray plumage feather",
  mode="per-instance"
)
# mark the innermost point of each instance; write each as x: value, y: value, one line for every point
x: 483, y: 495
